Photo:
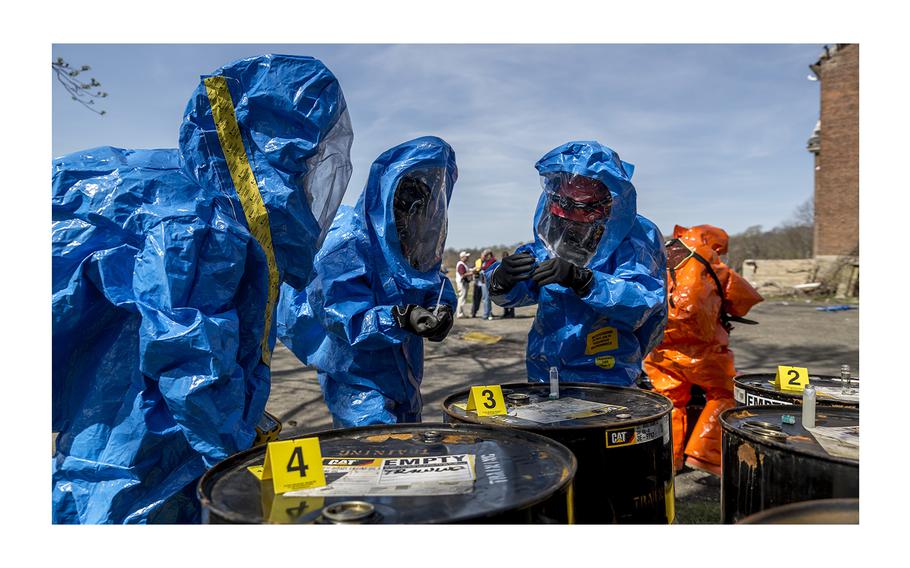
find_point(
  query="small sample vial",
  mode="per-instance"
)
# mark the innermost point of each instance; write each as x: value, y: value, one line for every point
x: 554, y: 382
x: 845, y: 384
x: 809, y: 407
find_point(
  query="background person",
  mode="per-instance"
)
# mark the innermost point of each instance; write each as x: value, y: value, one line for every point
x: 595, y: 270
x: 463, y: 278
x: 363, y: 319
x: 703, y: 294
x: 488, y: 260
x: 477, y: 290
x: 166, y: 266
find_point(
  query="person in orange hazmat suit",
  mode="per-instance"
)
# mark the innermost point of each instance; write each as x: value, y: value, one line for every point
x: 704, y: 296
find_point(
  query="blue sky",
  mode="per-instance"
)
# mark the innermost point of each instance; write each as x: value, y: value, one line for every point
x: 717, y: 132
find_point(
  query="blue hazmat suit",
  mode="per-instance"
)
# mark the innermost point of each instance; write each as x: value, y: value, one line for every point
x: 166, y: 269
x: 603, y: 335
x: 370, y: 369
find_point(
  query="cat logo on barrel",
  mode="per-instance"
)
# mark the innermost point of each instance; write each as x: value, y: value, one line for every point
x: 624, y: 437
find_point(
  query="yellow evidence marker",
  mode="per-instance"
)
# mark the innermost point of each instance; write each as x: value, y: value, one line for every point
x: 292, y: 465
x: 487, y: 401
x: 791, y: 378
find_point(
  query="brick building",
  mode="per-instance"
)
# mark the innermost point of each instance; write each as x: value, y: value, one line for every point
x: 835, y: 143
x: 834, y: 267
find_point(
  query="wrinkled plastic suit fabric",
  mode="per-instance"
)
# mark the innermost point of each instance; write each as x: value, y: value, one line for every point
x: 695, y: 349
x: 600, y: 337
x: 369, y: 368
x: 160, y: 287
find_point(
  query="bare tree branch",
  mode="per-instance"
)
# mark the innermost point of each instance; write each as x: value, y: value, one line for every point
x: 78, y: 90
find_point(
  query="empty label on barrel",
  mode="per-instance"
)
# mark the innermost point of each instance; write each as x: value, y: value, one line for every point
x: 756, y: 400
x: 400, y: 476
x: 638, y: 434
x: 560, y: 409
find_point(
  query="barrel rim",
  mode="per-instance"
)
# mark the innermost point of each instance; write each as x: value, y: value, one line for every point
x: 728, y: 428
x: 448, y: 401
x: 766, y: 389
x: 839, y: 503
x: 210, y: 477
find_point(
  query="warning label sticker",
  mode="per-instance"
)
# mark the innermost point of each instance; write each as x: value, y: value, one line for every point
x: 639, y: 434
x: 604, y: 339
x: 605, y: 361
x: 400, y: 476
x: 560, y: 409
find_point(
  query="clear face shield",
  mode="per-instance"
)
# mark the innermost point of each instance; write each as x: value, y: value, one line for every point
x: 678, y: 253
x: 575, y: 216
x: 420, y: 206
x: 328, y: 173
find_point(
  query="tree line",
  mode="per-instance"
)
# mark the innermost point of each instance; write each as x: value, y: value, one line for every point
x: 791, y: 239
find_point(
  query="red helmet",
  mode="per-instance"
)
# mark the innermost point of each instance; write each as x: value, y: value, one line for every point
x: 578, y: 198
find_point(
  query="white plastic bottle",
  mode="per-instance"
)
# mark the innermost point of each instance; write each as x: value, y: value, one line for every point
x: 809, y: 407
x: 554, y: 382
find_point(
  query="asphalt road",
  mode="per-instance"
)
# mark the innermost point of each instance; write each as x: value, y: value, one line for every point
x: 790, y: 333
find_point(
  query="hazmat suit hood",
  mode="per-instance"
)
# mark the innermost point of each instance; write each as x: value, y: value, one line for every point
x: 593, y: 160
x: 703, y: 235
x: 428, y: 162
x: 297, y: 134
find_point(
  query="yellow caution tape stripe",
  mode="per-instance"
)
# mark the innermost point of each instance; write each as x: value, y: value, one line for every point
x: 245, y: 184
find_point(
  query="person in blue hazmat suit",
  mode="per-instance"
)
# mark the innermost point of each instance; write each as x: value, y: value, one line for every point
x: 595, y: 270
x: 378, y: 290
x: 166, y: 271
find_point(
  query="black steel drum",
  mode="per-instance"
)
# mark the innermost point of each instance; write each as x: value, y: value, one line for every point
x: 514, y: 477
x: 621, y: 437
x: 768, y: 463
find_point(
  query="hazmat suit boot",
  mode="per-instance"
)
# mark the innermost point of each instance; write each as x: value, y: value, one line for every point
x: 704, y: 450
x: 596, y: 271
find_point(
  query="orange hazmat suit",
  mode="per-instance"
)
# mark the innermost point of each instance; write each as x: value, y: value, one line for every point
x: 695, y: 348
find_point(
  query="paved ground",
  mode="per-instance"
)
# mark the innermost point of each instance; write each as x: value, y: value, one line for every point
x: 790, y: 333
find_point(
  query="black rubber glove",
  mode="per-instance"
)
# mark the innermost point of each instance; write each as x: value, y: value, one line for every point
x: 559, y: 271
x: 445, y: 319
x: 421, y: 321
x: 512, y: 269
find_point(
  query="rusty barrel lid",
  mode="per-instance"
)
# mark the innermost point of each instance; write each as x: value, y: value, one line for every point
x: 579, y: 406
x: 816, y: 512
x: 827, y: 389
x: 442, y: 473
x: 835, y: 436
